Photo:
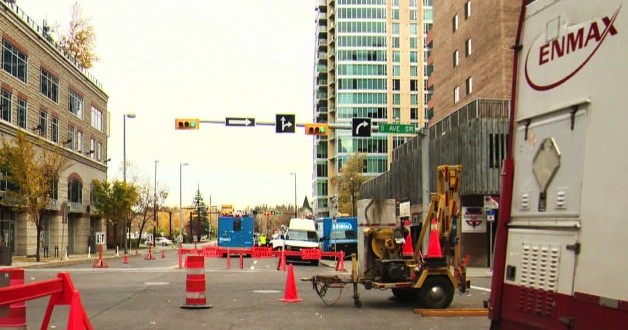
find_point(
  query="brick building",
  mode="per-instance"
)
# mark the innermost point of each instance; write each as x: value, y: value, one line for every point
x: 48, y: 96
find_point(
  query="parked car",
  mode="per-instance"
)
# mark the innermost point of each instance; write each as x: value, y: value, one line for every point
x: 162, y: 241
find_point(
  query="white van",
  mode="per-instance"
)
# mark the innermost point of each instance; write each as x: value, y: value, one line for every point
x: 301, y: 234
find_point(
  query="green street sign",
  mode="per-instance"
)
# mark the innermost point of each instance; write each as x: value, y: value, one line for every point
x: 397, y: 128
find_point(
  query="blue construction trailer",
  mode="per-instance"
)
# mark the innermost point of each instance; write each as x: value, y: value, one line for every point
x: 235, y: 232
x: 338, y: 235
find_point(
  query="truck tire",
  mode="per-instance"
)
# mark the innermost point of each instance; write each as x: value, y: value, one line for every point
x: 436, y: 292
x: 406, y: 295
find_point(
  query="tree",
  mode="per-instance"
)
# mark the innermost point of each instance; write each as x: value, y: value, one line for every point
x: 34, y: 169
x: 81, y: 39
x: 145, y: 203
x: 114, y: 201
x: 201, y: 227
x: 349, y: 183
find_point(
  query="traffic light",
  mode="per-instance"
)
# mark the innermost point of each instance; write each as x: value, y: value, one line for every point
x: 316, y: 129
x: 189, y: 123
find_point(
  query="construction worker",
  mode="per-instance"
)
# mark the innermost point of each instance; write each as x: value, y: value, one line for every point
x: 262, y: 240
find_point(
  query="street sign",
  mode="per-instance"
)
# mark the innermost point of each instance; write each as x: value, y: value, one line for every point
x: 361, y: 127
x: 285, y: 123
x: 396, y: 128
x: 247, y: 122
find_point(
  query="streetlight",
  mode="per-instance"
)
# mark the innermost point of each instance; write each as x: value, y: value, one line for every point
x: 155, y: 205
x: 180, y: 200
x: 127, y: 224
x: 295, y: 193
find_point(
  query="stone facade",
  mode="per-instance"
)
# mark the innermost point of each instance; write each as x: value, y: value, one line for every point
x: 81, y: 136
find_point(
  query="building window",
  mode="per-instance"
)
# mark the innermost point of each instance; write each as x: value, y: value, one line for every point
x: 467, y: 47
x: 71, y: 142
x: 469, y: 85
x: 414, y: 99
x: 99, y: 151
x: 54, y: 129
x: 396, y: 84
x: 456, y: 58
x: 395, y: 14
x: 467, y: 9
x: 396, y: 56
x: 414, y: 56
x: 22, y: 111
x: 454, y: 23
x: 414, y: 85
x: 414, y: 71
x: 97, y: 121
x: 414, y: 31
x: 396, y: 98
x: 395, y: 42
x: 43, y: 123
x: 414, y: 113
x: 54, y: 189
x: 396, y: 70
x: 14, y: 61
x: 79, y: 141
x: 396, y: 115
x: 457, y: 94
x: 395, y: 28
x: 5, y: 105
x: 92, y: 148
x: 49, y: 85
x: 75, y: 191
x: 75, y: 103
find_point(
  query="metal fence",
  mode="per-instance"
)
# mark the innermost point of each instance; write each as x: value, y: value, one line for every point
x: 474, y: 136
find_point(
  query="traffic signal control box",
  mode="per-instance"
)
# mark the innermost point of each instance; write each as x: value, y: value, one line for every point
x: 188, y: 123
x: 316, y: 129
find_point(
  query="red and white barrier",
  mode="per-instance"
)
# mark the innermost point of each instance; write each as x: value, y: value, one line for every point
x: 15, y: 313
x: 61, y: 292
x: 195, y: 296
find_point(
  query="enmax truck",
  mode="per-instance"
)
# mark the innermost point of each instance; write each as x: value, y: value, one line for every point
x: 561, y: 225
x: 338, y: 235
x: 235, y: 231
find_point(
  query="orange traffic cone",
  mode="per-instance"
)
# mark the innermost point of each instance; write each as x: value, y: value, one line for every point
x: 407, y: 250
x: 163, y: 254
x: 290, y: 295
x: 434, y: 250
x: 126, y: 260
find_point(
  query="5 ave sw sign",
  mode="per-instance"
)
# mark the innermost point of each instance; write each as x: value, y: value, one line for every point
x: 397, y: 128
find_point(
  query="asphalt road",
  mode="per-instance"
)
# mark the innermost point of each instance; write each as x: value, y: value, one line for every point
x: 148, y: 295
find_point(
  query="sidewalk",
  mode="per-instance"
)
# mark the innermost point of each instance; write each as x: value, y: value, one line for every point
x: 31, y: 262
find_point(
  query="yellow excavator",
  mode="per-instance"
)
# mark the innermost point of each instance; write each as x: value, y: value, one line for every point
x: 413, y: 276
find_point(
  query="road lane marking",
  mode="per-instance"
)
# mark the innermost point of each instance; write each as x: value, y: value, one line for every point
x: 480, y: 288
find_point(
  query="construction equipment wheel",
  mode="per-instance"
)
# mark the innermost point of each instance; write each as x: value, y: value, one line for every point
x: 406, y: 295
x: 436, y: 292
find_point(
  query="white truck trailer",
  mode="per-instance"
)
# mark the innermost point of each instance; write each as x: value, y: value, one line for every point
x: 560, y: 255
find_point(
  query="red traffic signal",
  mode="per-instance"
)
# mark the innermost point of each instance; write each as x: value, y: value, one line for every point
x: 190, y: 123
x: 316, y: 129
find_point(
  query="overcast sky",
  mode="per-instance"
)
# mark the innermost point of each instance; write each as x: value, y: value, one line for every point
x: 208, y: 59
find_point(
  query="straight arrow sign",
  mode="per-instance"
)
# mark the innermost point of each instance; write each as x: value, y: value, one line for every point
x: 247, y: 122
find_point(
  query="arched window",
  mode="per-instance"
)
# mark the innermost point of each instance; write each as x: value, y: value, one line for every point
x: 75, y: 191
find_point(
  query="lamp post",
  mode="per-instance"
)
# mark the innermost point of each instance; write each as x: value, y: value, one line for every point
x: 127, y: 224
x: 180, y: 199
x: 295, y: 193
x: 155, y: 205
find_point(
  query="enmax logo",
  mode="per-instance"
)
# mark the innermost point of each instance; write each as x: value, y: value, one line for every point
x: 575, y: 42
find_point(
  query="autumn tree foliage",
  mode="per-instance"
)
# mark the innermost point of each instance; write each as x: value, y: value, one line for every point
x: 114, y: 201
x: 33, y: 167
x: 80, y: 42
x: 348, y: 183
